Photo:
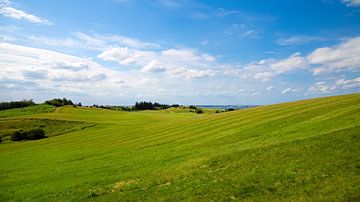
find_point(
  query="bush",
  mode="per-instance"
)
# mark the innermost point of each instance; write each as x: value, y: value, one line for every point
x: 199, y: 111
x: 57, y: 102
x: 18, y: 136
x: 192, y: 107
x: 34, y: 134
x: 0, y: 139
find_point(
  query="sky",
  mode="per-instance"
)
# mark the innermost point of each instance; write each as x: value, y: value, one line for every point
x: 116, y: 52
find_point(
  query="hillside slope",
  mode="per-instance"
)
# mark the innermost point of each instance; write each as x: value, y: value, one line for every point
x: 305, y: 150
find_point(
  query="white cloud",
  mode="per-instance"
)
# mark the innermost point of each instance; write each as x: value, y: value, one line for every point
x: 294, y: 62
x: 154, y: 66
x: 10, y: 12
x: 343, y: 57
x: 270, y: 88
x: 340, y: 84
x: 58, y: 72
x: 265, y: 70
x: 123, y: 55
x: 348, y: 83
x: 298, y: 40
x: 321, y: 87
x: 81, y: 40
x: 351, y: 2
x: 340, y: 58
x: 264, y: 76
x: 174, y: 62
x: 290, y: 90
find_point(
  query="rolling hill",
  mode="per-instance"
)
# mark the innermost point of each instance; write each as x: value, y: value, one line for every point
x: 296, y: 151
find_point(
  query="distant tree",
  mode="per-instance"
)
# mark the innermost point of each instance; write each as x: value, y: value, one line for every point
x: 0, y: 139
x: 57, y: 102
x: 199, y: 111
x: 230, y: 109
x: 192, y: 107
x: 79, y: 104
x: 16, y: 104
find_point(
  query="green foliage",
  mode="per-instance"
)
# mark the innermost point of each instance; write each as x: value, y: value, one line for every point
x: 34, y: 134
x: 16, y: 104
x: 18, y: 136
x: 298, y: 151
x: 57, y: 102
x: 192, y: 107
x: 199, y: 111
x: 138, y: 106
x: 152, y: 106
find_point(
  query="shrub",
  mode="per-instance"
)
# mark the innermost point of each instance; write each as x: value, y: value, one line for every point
x: 199, y: 111
x: 34, y: 134
x: 18, y: 136
x: 0, y: 139
x: 57, y: 102
x: 230, y: 109
x: 192, y: 107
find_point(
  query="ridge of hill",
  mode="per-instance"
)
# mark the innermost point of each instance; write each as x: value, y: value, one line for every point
x: 303, y: 150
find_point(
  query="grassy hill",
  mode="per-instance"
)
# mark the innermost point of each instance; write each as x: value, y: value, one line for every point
x: 297, y: 151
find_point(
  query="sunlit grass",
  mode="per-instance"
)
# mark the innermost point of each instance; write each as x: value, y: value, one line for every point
x: 306, y: 150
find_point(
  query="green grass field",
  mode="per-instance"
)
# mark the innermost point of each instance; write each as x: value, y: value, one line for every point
x: 298, y: 151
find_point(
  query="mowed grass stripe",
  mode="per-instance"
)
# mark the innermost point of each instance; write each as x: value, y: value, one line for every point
x: 167, y: 156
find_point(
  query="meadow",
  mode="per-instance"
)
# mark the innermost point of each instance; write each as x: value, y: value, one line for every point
x: 298, y: 151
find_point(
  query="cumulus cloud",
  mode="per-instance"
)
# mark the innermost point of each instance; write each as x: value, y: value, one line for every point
x: 56, y: 71
x: 343, y: 57
x: 264, y: 76
x: 294, y: 62
x: 153, y: 66
x: 7, y: 11
x: 340, y: 84
x: 265, y: 70
x: 174, y: 62
x: 321, y: 87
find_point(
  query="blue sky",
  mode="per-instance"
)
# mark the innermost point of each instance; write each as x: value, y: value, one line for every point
x: 179, y: 51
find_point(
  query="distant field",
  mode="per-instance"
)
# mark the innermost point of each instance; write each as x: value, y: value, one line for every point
x: 298, y: 151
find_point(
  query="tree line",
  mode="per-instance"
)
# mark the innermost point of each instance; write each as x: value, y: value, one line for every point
x: 16, y: 104
x: 58, y: 102
x: 138, y: 106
